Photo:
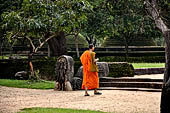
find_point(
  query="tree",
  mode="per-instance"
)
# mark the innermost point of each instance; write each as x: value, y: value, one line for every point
x: 43, y: 20
x: 97, y: 25
x: 6, y: 5
x: 124, y: 20
x: 160, y: 14
x: 127, y: 20
x: 77, y: 20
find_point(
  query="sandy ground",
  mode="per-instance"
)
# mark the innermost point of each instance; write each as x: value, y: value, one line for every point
x: 14, y: 99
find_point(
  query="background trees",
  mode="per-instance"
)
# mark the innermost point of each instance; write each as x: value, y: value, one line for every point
x: 46, y: 19
x: 41, y: 21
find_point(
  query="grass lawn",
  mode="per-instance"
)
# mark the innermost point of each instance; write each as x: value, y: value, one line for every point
x: 56, y: 110
x: 148, y: 65
x: 27, y: 84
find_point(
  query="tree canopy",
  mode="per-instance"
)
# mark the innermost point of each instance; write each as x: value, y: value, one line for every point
x: 125, y: 19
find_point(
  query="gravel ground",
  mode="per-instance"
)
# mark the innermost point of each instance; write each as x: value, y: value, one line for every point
x: 13, y: 100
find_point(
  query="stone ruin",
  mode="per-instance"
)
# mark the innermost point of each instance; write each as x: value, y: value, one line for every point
x: 65, y: 79
x: 77, y: 80
x: 64, y: 73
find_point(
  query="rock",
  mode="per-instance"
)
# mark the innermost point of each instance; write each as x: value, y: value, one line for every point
x: 103, y: 70
x: 78, y: 79
x: 21, y: 75
x: 68, y: 86
x: 57, y: 86
x: 80, y: 73
x: 76, y: 83
x: 64, y: 72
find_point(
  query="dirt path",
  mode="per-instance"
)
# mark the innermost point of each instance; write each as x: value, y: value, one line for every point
x: 14, y: 99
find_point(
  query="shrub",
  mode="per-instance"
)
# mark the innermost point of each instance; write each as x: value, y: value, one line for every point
x: 46, y: 67
x: 120, y: 69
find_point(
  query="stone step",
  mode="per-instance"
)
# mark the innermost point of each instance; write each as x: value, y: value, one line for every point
x: 111, y: 79
x: 131, y: 89
x: 155, y: 85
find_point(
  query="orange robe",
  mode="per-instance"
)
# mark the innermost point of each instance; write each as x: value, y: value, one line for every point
x: 90, y: 79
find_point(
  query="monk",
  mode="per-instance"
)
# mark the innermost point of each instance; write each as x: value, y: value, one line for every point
x: 90, y: 71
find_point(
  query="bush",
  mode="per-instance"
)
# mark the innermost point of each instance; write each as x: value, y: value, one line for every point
x: 120, y: 69
x: 46, y: 66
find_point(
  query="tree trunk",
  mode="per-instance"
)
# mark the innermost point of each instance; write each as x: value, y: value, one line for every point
x: 58, y: 45
x: 126, y: 48
x: 165, y: 98
x: 151, y: 6
x: 76, y: 44
x: 31, y: 75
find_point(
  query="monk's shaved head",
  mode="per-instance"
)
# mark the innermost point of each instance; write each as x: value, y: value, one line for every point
x: 91, y: 46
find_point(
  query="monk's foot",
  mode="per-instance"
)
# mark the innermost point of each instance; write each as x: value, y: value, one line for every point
x: 97, y: 93
x: 87, y: 94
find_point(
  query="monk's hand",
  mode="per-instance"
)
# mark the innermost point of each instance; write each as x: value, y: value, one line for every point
x: 96, y: 59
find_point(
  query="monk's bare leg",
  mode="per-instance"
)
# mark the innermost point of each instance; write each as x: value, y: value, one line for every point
x: 86, y: 89
x: 95, y: 90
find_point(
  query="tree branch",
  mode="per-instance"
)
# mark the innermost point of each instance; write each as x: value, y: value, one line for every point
x: 153, y: 12
x: 31, y: 43
x: 15, y: 35
x: 41, y: 44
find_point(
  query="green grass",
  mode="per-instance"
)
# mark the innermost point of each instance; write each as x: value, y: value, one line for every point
x: 148, y: 65
x: 56, y: 110
x: 4, y: 57
x: 27, y: 84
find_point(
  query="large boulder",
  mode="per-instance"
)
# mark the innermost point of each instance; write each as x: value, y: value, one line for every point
x: 77, y: 80
x: 103, y: 70
x: 21, y: 75
x: 76, y: 83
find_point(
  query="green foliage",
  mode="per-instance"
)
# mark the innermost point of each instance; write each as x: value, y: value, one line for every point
x: 56, y: 110
x: 44, y: 19
x: 120, y: 69
x: 34, y: 76
x: 46, y: 67
x: 164, y: 7
x: 27, y: 84
x: 124, y: 20
x: 71, y: 42
x: 39, y: 16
